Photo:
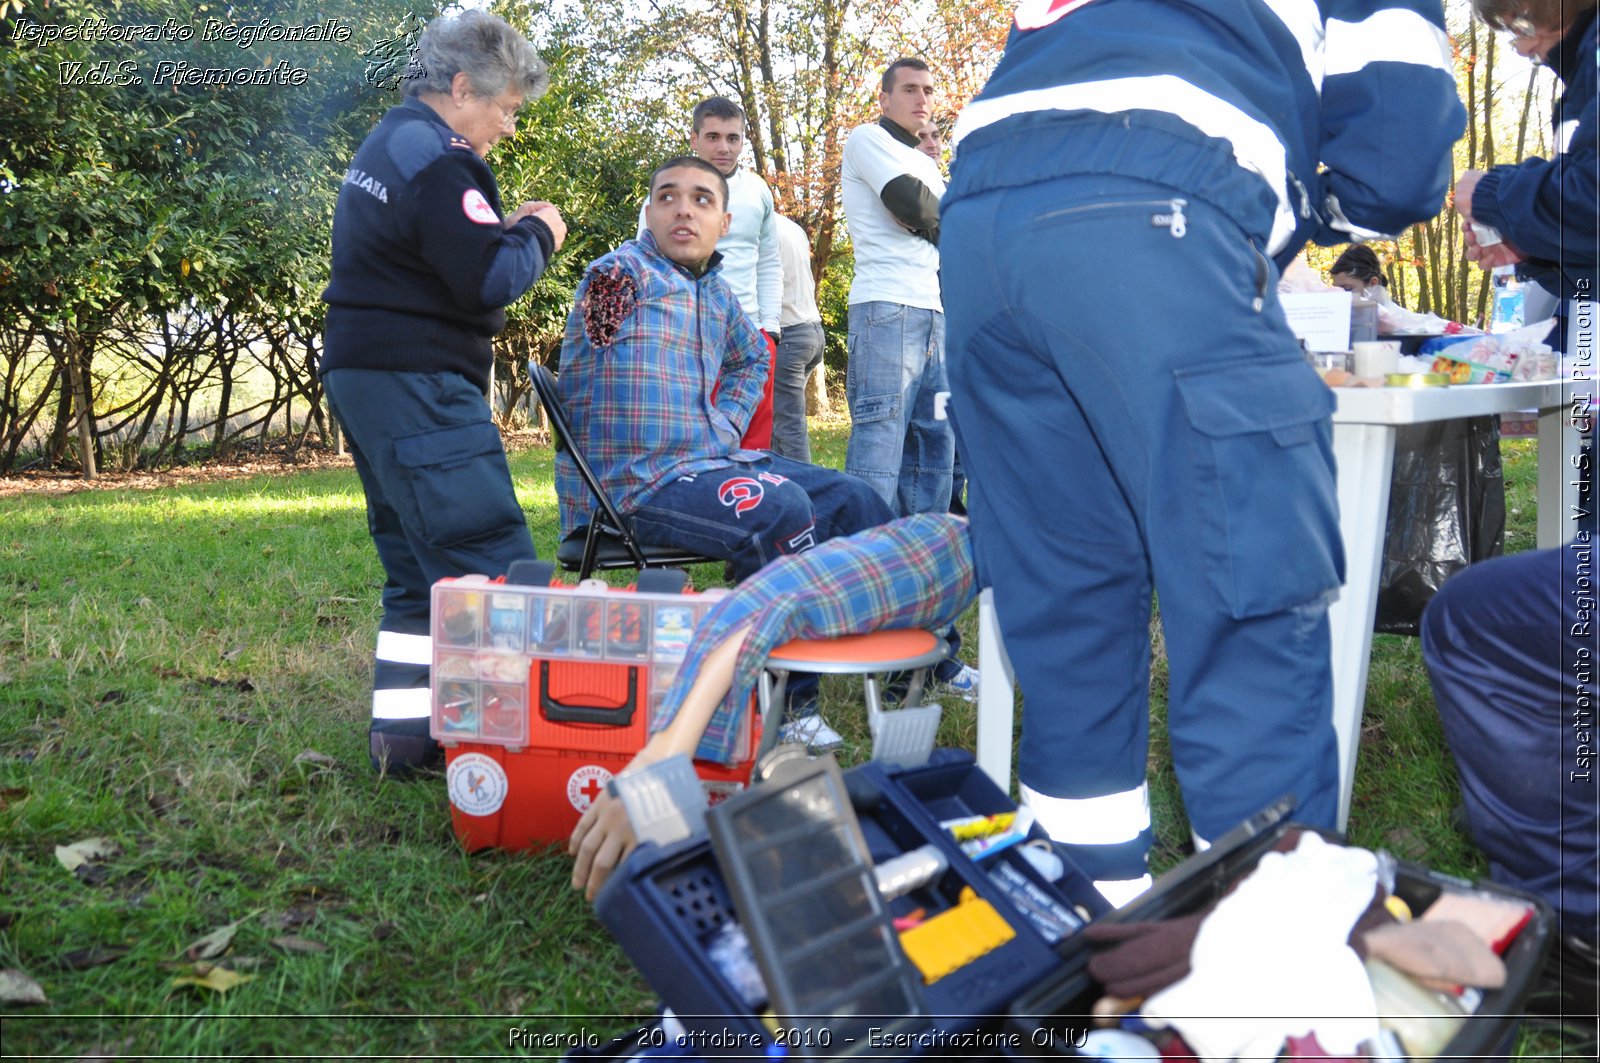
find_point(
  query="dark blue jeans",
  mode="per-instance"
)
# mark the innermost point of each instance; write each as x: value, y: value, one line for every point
x: 799, y: 352
x: 439, y: 503
x: 757, y: 511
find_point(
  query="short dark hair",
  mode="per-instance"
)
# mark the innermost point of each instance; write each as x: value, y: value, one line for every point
x: 1361, y: 262
x: 909, y: 62
x: 716, y: 107
x: 694, y: 162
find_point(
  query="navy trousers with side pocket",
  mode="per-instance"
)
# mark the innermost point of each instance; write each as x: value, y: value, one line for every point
x: 1136, y: 418
x: 439, y: 503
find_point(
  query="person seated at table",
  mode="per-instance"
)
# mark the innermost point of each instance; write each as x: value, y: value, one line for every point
x: 912, y: 572
x: 653, y: 328
x: 1510, y: 648
x: 1358, y: 272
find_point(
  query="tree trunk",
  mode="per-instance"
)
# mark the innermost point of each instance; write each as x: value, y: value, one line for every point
x: 77, y: 375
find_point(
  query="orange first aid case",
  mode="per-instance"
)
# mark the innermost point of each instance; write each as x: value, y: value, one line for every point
x: 542, y: 694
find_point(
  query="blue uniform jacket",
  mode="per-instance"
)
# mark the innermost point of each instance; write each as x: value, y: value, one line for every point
x: 422, y: 265
x: 1550, y: 208
x: 1365, y: 88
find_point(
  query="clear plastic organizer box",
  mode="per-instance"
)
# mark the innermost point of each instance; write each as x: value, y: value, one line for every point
x: 542, y: 693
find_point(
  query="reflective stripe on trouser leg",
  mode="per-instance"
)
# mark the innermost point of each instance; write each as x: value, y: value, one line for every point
x: 1107, y: 836
x: 402, y: 703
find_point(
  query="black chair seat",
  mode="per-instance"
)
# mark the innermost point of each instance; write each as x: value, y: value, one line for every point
x: 612, y: 553
x: 591, y: 548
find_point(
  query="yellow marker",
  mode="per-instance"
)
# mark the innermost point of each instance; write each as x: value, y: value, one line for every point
x: 979, y: 826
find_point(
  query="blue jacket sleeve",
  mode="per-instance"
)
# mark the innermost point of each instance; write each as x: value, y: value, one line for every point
x: 486, y: 264
x: 1390, y: 114
x: 1548, y: 209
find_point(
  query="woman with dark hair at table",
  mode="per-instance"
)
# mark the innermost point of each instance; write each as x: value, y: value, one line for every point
x: 1544, y: 213
x: 424, y: 264
x: 1358, y: 272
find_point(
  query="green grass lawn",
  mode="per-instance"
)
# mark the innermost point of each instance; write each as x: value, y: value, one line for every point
x: 185, y: 672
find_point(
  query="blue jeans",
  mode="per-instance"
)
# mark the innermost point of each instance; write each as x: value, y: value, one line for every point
x: 799, y: 352
x: 756, y: 511
x: 1117, y: 450
x: 439, y: 503
x: 896, y: 368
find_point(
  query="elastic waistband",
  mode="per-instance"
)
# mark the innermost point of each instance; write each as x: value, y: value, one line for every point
x: 1040, y: 146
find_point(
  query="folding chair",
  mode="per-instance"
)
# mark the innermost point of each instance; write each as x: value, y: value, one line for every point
x: 607, y: 541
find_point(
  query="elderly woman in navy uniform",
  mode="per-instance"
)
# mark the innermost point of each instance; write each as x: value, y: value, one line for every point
x: 425, y: 260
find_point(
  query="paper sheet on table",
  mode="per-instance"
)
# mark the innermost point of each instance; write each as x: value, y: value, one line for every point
x: 1322, y: 319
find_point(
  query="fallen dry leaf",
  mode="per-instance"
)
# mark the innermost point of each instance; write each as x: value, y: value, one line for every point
x: 18, y: 988
x: 93, y: 956
x: 311, y: 756
x: 87, y: 851
x: 296, y: 943
x: 213, y: 944
x: 11, y: 795
x: 217, y: 979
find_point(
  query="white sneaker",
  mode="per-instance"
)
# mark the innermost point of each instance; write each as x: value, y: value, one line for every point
x: 812, y: 732
x: 964, y: 684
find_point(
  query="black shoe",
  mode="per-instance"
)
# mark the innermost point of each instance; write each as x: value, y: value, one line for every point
x: 402, y: 756
x: 1569, y: 983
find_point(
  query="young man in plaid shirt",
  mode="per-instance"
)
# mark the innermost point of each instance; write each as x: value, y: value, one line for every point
x: 653, y: 328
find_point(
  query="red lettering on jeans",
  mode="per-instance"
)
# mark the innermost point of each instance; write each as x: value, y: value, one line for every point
x: 740, y: 492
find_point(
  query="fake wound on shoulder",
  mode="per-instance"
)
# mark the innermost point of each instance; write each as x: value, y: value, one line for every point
x: 607, y: 301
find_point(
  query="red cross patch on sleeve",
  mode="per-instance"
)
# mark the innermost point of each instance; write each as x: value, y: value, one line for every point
x: 477, y: 209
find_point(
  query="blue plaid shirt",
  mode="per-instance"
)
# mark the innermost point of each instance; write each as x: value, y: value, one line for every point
x: 912, y: 572
x: 644, y: 344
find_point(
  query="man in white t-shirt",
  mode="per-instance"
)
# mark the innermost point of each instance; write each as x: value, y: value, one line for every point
x: 800, y: 349
x: 898, y: 442
x: 751, y: 263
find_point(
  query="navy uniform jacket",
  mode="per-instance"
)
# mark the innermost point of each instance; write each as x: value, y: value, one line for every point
x: 1550, y: 208
x: 422, y: 266
x: 1365, y: 88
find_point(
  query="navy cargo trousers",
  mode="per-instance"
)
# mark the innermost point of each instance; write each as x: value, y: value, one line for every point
x: 439, y: 503
x: 1137, y: 418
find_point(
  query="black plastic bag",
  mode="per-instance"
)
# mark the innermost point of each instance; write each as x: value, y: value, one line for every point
x: 1447, y: 509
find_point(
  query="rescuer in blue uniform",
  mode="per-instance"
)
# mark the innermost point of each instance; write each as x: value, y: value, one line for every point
x: 1130, y: 402
x: 1546, y: 211
x: 424, y: 263
x: 1511, y: 644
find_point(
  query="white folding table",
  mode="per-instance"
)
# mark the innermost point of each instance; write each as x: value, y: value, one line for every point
x: 1364, y: 427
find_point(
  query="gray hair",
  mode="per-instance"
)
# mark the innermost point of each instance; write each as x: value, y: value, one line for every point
x: 494, y: 57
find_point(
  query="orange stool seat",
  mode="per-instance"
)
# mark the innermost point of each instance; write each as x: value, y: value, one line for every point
x: 870, y: 655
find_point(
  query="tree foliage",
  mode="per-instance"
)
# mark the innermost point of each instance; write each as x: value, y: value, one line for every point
x: 164, y: 244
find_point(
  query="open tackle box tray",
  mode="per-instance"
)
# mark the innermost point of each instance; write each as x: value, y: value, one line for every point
x: 673, y: 910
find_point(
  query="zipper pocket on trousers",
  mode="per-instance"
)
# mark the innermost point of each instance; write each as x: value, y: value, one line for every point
x: 1172, y: 218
